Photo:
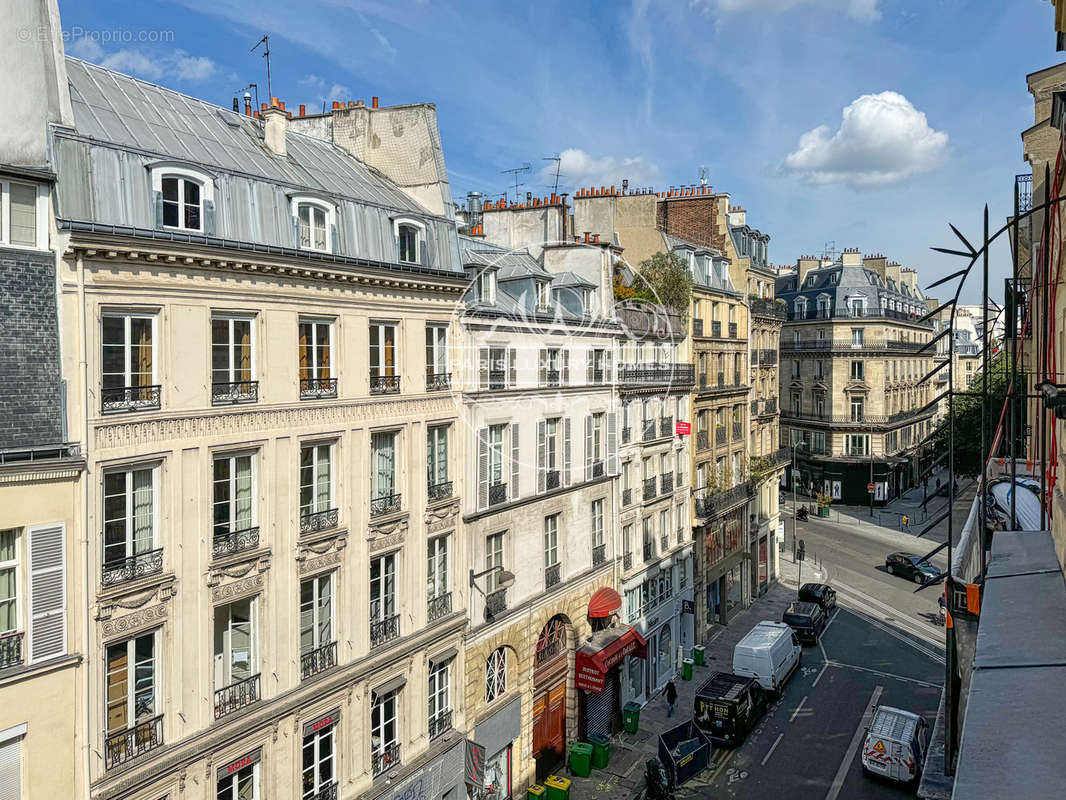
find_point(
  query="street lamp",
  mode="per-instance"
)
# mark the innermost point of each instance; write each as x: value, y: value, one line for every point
x: 504, y: 581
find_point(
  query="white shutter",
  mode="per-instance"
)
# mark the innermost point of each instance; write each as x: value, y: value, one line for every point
x: 483, y: 468
x: 566, y: 451
x: 607, y: 374
x: 48, y: 592
x: 542, y: 367
x: 10, y: 769
x: 588, y: 447
x: 612, y: 444
x: 588, y: 366
x: 483, y: 368
x: 514, y: 460
x: 512, y: 371
x: 541, y: 455
x: 566, y: 367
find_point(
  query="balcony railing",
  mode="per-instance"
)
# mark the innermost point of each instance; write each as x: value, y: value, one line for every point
x: 703, y: 380
x: 859, y: 419
x: 440, y: 723
x: 327, y: 792
x: 386, y: 758
x: 11, y: 650
x: 847, y: 344
x: 552, y: 575
x: 384, y: 384
x: 384, y: 630
x: 133, y: 742
x: 708, y: 502
x: 666, y: 482
x: 721, y: 379
x: 664, y: 543
x: 597, y: 469
x: 738, y: 431
x: 767, y: 358
x: 627, y: 434
x: 716, y: 330
x: 595, y: 376
x: 648, y: 551
x: 649, y: 430
x: 439, y: 606
x: 551, y: 479
x: 439, y: 491
x: 627, y: 561
x: 130, y: 398
x: 495, y: 603
x: 866, y: 313
x: 649, y: 488
x: 769, y: 406
x: 124, y: 570
x: 317, y: 388
x: 666, y: 426
x: 497, y: 494
x: 657, y: 374
x: 767, y: 307
x: 225, y: 544
x: 497, y: 379
x: 599, y: 554
x: 627, y: 497
x: 230, y: 392
x: 732, y: 330
x: 237, y: 695
x: 438, y: 381
x: 384, y: 504
x: 318, y: 660
x: 314, y: 521
x: 720, y: 435
x: 550, y: 377
x: 697, y: 327
x: 703, y: 440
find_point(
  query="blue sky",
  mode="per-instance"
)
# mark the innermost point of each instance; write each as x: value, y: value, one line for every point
x: 868, y: 123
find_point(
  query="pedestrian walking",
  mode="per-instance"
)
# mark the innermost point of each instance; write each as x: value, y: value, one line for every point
x: 670, y: 692
x: 943, y: 608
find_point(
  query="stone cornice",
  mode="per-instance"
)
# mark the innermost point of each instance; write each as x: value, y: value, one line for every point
x: 44, y: 472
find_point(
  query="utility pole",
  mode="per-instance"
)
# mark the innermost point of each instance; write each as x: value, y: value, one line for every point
x: 266, y: 54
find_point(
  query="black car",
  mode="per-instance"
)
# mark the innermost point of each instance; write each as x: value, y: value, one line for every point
x: 821, y: 593
x: 911, y: 566
x: 806, y: 619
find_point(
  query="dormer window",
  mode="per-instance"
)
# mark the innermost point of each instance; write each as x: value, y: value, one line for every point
x: 586, y: 300
x: 486, y: 287
x: 800, y: 307
x: 185, y: 199
x: 410, y: 239
x: 314, y: 224
x: 543, y: 295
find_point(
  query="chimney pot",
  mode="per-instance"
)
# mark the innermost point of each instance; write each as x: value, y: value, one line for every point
x: 373, y: 102
x: 587, y: 236
x: 336, y: 105
x: 303, y: 110
x: 273, y: 102
x: 281, y: 104
x: 351, y: 104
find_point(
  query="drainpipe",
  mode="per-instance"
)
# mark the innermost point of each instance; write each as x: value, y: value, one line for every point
x: 83, y: 365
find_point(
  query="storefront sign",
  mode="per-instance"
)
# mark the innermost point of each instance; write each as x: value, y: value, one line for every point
x: 683, y: 428
x: 688, y: 607
x: 592, y: 665
x: 240, y: 763
x: 475, y: 763
x: 780, y: 531
x: 332, y: 718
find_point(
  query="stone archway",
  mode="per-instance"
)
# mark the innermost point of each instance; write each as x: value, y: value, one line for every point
x: 551, y: 661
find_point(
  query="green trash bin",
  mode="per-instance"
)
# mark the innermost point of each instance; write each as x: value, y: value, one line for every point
x: 558, y: 787
x: 697, y: 654
x: 536, y: 792
x: 601, y: 750
x: 580, y: 761
x: 686, y: 669
x: 631, y: 717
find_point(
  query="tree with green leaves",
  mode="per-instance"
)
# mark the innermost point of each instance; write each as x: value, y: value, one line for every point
x: 665, y: 279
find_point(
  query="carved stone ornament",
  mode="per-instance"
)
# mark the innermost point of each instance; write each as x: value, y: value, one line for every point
x: 395, y: 526
x: 441, y: 517
x: 239, y: 588
x: 386, y: 542
x: 238, y: 569
x: 131, y: 623
x: 114, y: 601
x: 320, y: 563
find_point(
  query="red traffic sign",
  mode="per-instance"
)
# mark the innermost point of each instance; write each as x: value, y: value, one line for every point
x: 869, y: 487
x: 683, y: 428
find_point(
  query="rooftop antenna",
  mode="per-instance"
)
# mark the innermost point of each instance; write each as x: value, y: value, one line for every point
x: 246, y: 95
x: 516, y: 171
x: 266, y: 54
x: 829, y: 251
x: 703, y: 176
x: 558, y: 161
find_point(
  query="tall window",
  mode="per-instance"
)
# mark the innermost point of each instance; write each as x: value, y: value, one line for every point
x: 383, y: 465
x: 316, y: 613
x: 128, y: 364
x: 383, y: 354
x: 408, y: 236
x: 9, y: 569
x: 131, y: 683
x: 597, y: 523
x: 316, y: 479
x: 313, y: 223
x: 316, y: 358
x: 490, y: 466
x: 627, y: 539
x: 493, y: 561
x: 858, y: 405
x: 819, y: 442
x: 486, y: 287
x: 436, y: 353
x: 129, y: 516
x: 318, y: 771
x: 437, y: 460
x: 18, y: 215
x: 383, y: 588
x: 496, y: 674
x: 440, y: 702
x: 234, y: 493
x: 543, y: 295
x: 858, y: 445
x: 437, y: 584
x: 242, y: 783
x: 383, y: 731
x: 857, y: 337
x: 232, y: 367
x: 235, y: 642
x: 182, y: 203
x: 551, y: 540
x: 856, y: 370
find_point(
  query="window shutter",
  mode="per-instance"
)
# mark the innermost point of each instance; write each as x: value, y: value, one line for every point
x: 612, y: 444
x: 542, y: 367
x: 588, y: 366
x: 588, y: 447
x: 608, y: 376
x: 566, y: 451
x: 512, y: 367
x: 541, y: 454
x: 10, y: 768
x: 209, y: 217
x: 48, y: 600
x: 514, y: 460
x: 483, y: 368
x: 396, y: 248
x: 566, y: 367
x: 483, y: 468
x: 157, y: 205
x: 334, y: 240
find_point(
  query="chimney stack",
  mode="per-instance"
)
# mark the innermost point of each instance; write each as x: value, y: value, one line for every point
x: 373, y: 102
x: 277, y: 124
x: 805, y: 264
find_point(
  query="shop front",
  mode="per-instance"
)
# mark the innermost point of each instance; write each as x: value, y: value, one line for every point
x: 725, y: 586
x: 600, y: 667
x: 496, y: 738
x: 440, y: 778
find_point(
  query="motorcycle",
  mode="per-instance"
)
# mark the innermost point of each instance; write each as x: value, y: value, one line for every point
x: 801, y: 513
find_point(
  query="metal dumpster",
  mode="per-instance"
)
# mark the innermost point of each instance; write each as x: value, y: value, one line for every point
x: 684, y: 751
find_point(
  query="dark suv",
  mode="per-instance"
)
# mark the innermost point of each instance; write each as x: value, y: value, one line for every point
x: 806, y: 619
x: 911, y: 566
x: 820, y: 593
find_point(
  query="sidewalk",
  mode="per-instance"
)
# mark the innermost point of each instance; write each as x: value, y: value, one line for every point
x: 624, y: 775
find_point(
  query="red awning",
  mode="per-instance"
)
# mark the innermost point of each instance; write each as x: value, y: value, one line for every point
x: 604, y: 602
x: 605, y: 651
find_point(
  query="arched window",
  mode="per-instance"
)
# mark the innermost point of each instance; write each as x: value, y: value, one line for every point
x: 496, y: 674
x: 410, y: 239
x: 185, y: 197
x: 800, y: 306
x: 551, y: 642
x: 315, y: 220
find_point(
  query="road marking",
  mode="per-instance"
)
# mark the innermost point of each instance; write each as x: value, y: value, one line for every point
x: 886, y: 674
x: 722, y: 766
x: 818, y: 677
x: 842, y: 770
x: 929, y: 653
x: 922, y: 630
x: 796, y: 712
x: 871, y: 614
x: 820, y: 645
x: 773, y: 747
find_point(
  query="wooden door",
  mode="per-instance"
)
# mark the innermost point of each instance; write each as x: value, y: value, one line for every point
x: 557, y: 718
x: 540, y: 725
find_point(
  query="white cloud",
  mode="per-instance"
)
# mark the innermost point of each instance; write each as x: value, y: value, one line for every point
x: 882, y: 139
x: 581, y: 169
x: 153, y: 66
x: 861, y: 10
x: 86, y: 48
x: 326, y: 93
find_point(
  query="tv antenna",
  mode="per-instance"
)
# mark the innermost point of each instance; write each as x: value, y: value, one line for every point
x: 252, y: 86
x: 558, y: 162
x: 703, y: 176
x: 830, y: 250
x: 266, y: 54
x: 516, y: 171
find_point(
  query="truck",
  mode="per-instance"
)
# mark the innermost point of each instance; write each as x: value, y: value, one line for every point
x: 895, y: 745
x: 728, y: 706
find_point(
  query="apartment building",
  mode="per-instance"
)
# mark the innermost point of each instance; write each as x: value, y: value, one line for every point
x: 851, y: 365
x: 273, y: 453
x: 542, y: 432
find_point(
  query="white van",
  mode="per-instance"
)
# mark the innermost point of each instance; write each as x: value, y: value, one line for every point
x: 895, y: 745
x: 770, y: 653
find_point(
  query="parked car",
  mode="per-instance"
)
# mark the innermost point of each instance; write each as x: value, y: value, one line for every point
x: 728, y: 706
x: 821, y: 593
x: 806, y: 619
x: 770, y: 653
x: 896, y: 744
x: 911, y: 566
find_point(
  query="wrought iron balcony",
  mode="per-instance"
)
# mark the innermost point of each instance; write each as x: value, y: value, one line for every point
x: 439, y: 491
x: 649, y: 430
x: 720, y: 435
x: 721, y: 380
x: 627, y: 496
x: 133, y: 742
x: 440, y: 723
x: 769, y: 406
x: 225, y: 544
x: 595, y: 376
x: 314, y: 521
x: 550, y: 377
x: 649, y: 488
x: 384, y: 384
x: 11, y: 650
x: 497, y: 379
x: 552, y: 575
x: 716, y: 330
x: 767, y: 307
x: 551, y: 479
x: 732, y: 330
x: 124, y: 570
x: 237, y: 695
x: 680, y: 534
x: 627, y: 434
x: 318, y: 660
x: 438, y: 381
x: 497, y: 494
x: 385, y: 758
x: 232, y: 392
x: 666, y: 426
x: 708, y: 502
x: 317, y: 388
x: 597, y: 469
x: 649, y: 550
x: 703, y: 380
x: 767, y: 358
x: 664, y: 543
x: 130, y: 398
x: 495, y: 603
x: 327, y: 792
x: 657, y: 374
x: 439, y: 606
x: 666, y: 483
x: 384, y: 630
x: 738, y: 431
x: 599, y: 554
x: 703, y: 440
x: 697, y: 327
x: 627, y: 561
x: 384, y: 504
